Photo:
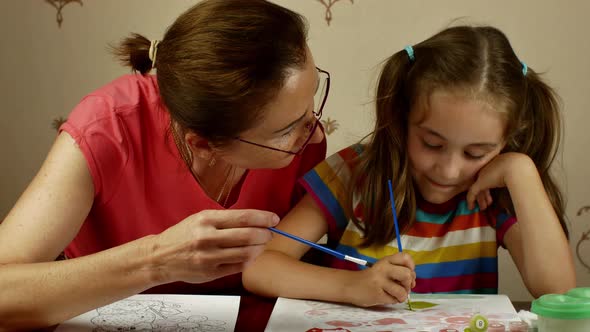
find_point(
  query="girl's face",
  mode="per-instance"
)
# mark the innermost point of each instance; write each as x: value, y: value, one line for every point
x: 451, y: 137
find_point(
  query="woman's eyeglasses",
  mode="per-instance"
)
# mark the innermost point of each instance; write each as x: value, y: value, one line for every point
x: 308, y: 128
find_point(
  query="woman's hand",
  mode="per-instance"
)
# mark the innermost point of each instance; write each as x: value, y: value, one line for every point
x: 497, y: 174
x: 388, y: 281
x: 211, y: 244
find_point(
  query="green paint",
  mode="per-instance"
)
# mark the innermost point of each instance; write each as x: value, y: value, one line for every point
x: 417, y: 305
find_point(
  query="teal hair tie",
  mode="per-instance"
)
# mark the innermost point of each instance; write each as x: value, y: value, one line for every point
x: 410, y: 50
x: 525, y: 68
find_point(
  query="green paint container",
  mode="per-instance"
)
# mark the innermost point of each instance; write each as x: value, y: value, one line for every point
x: 569, y: 312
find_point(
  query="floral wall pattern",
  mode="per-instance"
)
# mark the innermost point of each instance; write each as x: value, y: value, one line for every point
x: 328, y: 4
x: 59, y: 5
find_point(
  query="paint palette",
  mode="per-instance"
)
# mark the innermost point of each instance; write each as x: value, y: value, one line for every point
x: 432, y: 313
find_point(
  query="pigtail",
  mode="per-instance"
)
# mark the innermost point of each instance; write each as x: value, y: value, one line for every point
x: 383, y: 158
x: 543, y: 117
x: 541, y: 122
x: 133, y: 51
x: 539, y: 135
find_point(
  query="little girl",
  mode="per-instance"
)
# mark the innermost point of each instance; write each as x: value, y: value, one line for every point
x: 467, y: 133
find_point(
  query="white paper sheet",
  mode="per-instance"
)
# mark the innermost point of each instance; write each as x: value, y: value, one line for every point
x: 160, y: 313
x: 438, y: 312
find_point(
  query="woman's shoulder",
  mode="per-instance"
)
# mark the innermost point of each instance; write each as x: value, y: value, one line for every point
x: 128, y: 91
x: 126, y: 95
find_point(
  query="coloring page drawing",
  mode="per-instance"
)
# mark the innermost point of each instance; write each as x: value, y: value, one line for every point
x: 165, y: 313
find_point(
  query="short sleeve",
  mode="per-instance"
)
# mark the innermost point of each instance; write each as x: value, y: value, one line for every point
x: 501, y: 222
x: 312, y: 155
x: 101, y: 136
x: 328, y: 184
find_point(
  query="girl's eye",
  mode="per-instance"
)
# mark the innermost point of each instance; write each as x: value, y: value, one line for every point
x: 474, y: 156
x: 431, y: 146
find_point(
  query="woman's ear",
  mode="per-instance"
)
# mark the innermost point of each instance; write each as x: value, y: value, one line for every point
x: 199, y: 146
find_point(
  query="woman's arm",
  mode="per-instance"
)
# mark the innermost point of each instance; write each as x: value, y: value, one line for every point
x: 35, y: 291
x: 45, y: 219
x: 278, y: 271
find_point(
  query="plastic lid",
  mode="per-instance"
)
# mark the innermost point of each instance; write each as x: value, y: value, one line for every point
x: 575, y: 304
x: 582, y: 292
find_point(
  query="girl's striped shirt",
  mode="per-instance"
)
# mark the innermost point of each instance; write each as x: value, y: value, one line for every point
x: 454, y: 248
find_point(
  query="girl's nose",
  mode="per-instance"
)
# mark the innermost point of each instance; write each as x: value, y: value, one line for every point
x: 449, y: 169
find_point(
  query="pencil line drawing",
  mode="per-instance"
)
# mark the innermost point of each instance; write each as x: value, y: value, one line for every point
x: 151, y: 315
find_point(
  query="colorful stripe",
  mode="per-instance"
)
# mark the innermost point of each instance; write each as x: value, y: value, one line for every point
x: 351, y: 241
x: 486, y: 283
x: 313, y: 183
x: 448, y: 217
x: 457, y: 268
x: 460, y: 223
x: 353, y: 237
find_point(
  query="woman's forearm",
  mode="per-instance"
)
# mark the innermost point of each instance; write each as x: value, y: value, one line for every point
x: 44, y: 294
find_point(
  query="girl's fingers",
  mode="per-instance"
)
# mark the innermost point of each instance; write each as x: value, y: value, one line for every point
x: 489, y: 197
x: 397, y: 292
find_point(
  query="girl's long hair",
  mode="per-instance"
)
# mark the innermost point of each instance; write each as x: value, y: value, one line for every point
x: 480, y: 60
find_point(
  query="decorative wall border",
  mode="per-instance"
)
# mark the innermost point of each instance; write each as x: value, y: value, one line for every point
x: 328, y: 4
x: 330, y: 125
x: 59, y: 5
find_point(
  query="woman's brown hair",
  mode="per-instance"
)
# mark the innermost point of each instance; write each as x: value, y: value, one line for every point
x: 219, y: 64
x: 481, y: 60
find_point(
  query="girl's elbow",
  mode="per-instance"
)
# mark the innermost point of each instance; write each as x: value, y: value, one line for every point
x: 560, y: 286
x: 566, y: 281
x: 253, y: 276
x: 247, y: 278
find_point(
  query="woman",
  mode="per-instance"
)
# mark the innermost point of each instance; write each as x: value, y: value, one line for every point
x: 169, y: 180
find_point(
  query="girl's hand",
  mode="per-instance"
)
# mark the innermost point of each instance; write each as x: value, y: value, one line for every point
x: 211, y: 244
x: 388, y: 281
x: 496, y: 174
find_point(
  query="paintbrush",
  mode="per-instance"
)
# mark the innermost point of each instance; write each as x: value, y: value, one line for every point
x: 399, y: 241
x: 334, y: 253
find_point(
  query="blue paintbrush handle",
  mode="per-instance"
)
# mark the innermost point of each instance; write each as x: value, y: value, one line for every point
x: 399, y: 241
x: 322, y: 248
x: 394, y: 212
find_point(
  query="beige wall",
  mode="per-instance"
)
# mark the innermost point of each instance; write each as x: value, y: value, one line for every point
x: 45, y: 70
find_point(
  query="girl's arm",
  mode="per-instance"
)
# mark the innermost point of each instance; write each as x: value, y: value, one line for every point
x: 35, y: 291
x: 536, y: 242
x: 279, y: 272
